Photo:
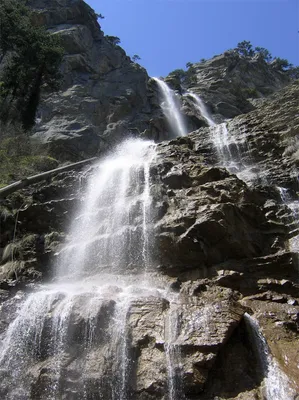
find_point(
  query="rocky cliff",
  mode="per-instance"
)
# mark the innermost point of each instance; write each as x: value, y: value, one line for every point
x: 225, y: 240
x: 104, y: 95
x: 221, y: 245
x: 230, y: 83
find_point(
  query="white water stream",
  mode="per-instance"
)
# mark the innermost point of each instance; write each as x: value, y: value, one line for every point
x: 201, y: 108
x: 229, y: 148
x: 101, y: 269
x: 172, y: 109
x: 276, y: 384
x: 294, y: 207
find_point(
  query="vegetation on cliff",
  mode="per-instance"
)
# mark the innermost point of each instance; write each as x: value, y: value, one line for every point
x: 30, y: 59
x: 243, y: 49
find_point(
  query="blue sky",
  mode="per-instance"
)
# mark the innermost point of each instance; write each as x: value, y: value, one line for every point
x: 167, y: 34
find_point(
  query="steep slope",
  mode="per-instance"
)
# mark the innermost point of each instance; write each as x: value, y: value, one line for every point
x: 266, y: 139
x: 104, y: 95
x: 229, y: 81
x: 229, y: 84
x: 222, y: 246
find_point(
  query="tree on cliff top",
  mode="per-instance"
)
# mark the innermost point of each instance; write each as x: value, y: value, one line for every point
x: 245, y: 49
x: 114, y: 40
x: 30, y: 59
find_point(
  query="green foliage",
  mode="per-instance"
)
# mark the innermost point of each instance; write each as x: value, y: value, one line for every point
x: 14, y: 18
x: 113, y: 40
x: 20, y: 156
x: 179, y: 74
x: 282, y: 64
x: 264, y: 52
x: 293, y: 72
x: 136, y: 58
x: 186, y: 78
x: 202, y: 60
x: 31, y: 59
x: 191, y: 78
x: 245, y: 49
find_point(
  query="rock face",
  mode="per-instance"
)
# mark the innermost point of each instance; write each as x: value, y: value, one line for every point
x: 207, y: 214
x: 263, y: 142
x: 104, y: 96
x: 230, y: 84
x: 224, y: 237
x: 221, y: 248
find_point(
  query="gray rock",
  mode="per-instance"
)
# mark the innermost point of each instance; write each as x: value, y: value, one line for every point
x: 104, y: 96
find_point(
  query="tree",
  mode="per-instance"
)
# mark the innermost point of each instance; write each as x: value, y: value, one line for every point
x: 245, y: 49
x: 189, y: 65
x: 264, y: 52
x: 293, y: 72
x: 14, y: 17
x: 179, y: 74
x: 136, y: 58
x: 113, y: 40
x: 100, y: 16
x: 282, y: 64
x: 31, y: 59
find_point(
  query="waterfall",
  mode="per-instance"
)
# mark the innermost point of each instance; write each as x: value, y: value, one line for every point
x: 172, y: 109
x: 230, y: 149
x: 201, y: 108
x: 49, y: 349
x: 276, y: 383
x: 222, y: 142
x: 233, y: 153
x: 173, y: 353
x: 293, y: 205
x: 111, y: 227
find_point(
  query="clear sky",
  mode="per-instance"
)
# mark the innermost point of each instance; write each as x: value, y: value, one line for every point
x: 167, y: 34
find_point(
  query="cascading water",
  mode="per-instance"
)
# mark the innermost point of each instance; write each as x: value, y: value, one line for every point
x: 276, y: 383
x: 233, y: 153
x: 293, y: 205
x: 49, y: 349
x: 201, y: 108
x: 173, y: 353
x: 171, y: 108
x: 229, y: 150
x: 111, y: 228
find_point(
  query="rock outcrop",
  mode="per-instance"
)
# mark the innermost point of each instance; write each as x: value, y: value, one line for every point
x: 231, y: 84
x: 104, y: 96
